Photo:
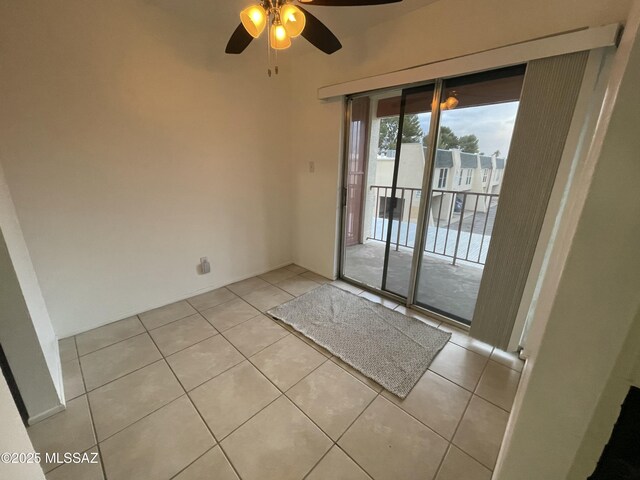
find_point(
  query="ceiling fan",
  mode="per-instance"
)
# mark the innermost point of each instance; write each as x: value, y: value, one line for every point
x: 286, y: 20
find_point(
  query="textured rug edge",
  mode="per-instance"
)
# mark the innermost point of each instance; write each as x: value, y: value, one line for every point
x: 272, y: 313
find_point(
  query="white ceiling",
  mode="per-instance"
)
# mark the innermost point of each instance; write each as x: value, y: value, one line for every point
x: 222, y: 16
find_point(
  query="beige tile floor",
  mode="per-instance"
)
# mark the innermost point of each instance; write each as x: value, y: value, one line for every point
x: 211, y: 388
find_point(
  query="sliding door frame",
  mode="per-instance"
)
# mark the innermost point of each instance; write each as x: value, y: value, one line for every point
x: 425, y: 198
x: 436, y: 94
x: 394, y: 187
x: 422, y: 223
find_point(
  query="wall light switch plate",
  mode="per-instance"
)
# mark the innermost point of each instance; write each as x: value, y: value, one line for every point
x: 312, y: 167
x: 205, y: 266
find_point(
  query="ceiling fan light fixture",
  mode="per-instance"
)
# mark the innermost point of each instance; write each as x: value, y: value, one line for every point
x: 254, y: 19
x: 279, y: 39
x: 450, y: 103
x: 293, y: 20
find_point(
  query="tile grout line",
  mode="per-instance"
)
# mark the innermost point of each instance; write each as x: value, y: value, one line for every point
x: 218, y: 443
x: 333, y: 442
x: 112, y: 344
x: 486, y: 399
x: 227, y: 369
x: 506, y: 366
x: 143, y: 417
x: 354, y: 376
x: 455, y: 431
x: 201, y: 419
x: 228, y: 458
x: 209, y: 291
x: 125, y: 374
x: 147, y: 414
x: 188, y: 346
x: 209, y: 379
x: 275, y: 284
x: 282, y: 393
x: 170, y: 322
x: 93, y: 423
x: 320, y: 460
x: 162, y: 358
x: 428, y: 427
x: 222, y: 439
x: 349, y: 427
x: 420, y: 421
x: 460, y: 423
x: 472, y: 392
x: 169, y: 365
x: 451, y: 329
x: 262, y: 349
x: 449, y: 442
x: 148, y: 331
x: 245, y: 358
x: 467, y: 406
x: 442, y: 460
x: 201, y: 312
x: 233, y: 326
x: 335, y: 445
x: 199, y: 457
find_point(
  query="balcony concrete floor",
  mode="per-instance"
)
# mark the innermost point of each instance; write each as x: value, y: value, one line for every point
x: 449, y: 289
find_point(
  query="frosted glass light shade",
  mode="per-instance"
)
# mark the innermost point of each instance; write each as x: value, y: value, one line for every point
x: 279, y: 39
x: 293, y: 20
x: 452, y: 102
x: 449, y: 104
x: 254, y: 19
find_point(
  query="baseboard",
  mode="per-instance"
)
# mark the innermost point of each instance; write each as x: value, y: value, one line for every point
x: 46, y: 414
x: 180, y: 298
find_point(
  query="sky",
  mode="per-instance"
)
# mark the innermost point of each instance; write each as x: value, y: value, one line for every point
x: 492, y: 124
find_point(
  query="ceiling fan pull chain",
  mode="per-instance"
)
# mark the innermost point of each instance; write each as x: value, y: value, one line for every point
x: 268, y: 59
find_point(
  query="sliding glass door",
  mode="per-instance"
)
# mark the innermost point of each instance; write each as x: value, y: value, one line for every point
x: 419, y: 212
x: 409, y: 132
x: 386, y: 158
x: 477, y: 116
x: 384, y: 172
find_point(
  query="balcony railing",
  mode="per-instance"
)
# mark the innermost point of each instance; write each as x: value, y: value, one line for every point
x: 460, y: 222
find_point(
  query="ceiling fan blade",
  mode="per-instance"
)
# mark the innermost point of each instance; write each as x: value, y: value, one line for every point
x: 348, y: 3
x: 240, y: 39
x: 319, y: 35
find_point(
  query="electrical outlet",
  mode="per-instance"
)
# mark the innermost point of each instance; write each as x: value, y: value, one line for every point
x: 205, y: 267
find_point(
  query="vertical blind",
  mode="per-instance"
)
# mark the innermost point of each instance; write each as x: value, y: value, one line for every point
x: 547, y: 103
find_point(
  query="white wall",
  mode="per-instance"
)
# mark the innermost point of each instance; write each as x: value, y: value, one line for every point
x: 14, y: 438
x: 438, y: 31
x: 587, y: 347
x: 626, y: 373
x: 26, y: 333
x: 132, y: 147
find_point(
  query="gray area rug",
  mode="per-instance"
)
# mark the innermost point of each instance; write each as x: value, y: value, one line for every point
x: 386, y: 346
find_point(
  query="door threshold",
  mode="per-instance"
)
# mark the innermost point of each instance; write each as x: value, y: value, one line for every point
x: 442, y: 318
x: 403, y: 301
